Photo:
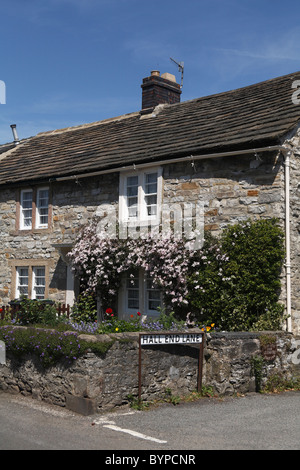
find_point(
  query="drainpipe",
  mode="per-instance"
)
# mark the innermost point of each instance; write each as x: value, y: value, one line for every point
x: 288, y: 238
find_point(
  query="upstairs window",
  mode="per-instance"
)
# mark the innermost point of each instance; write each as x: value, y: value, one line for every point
x: 140, y: 196
x: 42, y: 205
x: 26, y: 209
x: 150, y: 194
x: 34, y: 208
x: 132, y: 196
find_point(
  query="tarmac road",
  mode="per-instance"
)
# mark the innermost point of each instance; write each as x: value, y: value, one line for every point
x: 252, y: 422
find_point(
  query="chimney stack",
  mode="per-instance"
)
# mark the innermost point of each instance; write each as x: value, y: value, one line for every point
x: 158, y: 90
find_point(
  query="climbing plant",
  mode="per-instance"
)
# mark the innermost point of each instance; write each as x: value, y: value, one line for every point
x: 232, y: 281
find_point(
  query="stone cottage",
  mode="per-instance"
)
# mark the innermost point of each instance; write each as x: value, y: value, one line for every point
x: 234, y: 154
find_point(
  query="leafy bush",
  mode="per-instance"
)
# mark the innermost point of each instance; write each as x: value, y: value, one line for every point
x: 37, y: 312
x: 84, y: 309
x: 237, y: 281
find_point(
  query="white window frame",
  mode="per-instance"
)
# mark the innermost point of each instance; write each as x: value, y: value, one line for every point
x: 36, y: 208
x: 39, y: 207
x: 32, y: 284
x: 123, y: 309
x: 35, y: 286
x: 142, y: 217
x: 22, y: 209
x: 18, y: 285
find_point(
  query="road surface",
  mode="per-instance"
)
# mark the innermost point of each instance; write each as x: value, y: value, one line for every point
x: 252, y: 422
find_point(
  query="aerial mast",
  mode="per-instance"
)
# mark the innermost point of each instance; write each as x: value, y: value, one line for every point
x: 180, y: 68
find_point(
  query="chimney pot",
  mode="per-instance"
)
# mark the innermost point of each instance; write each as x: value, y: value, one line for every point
x: 169, y: 76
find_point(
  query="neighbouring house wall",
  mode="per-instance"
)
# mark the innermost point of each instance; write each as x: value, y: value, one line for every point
x: 92, y: 384
x: 73, y: 204
x: 8, y: 245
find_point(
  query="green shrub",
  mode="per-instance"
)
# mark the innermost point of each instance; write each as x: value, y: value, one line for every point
x: 37, y: 312
x: 84, y: 309
x: 257, y: 364
x: 239, y: 278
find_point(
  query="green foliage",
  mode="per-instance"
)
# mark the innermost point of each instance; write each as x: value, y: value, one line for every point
x: 238, y: 278
x: 118, y: 326
x: 6, y: 319
x: 168, y: 321
x: 37, y: 312
x: 257, y: 363
x: 165, y: 321
x: 85, y: 309
x: 267, y: 339
x: 170, y: 398
x: 50, y: 346
x: 112, y: 324
x: 137, y: 404
x: 277, y: 382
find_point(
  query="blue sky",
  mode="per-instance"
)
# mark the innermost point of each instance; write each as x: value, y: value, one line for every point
x: 69, y: 62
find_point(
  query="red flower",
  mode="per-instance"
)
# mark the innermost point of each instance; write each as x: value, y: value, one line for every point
x: 108, y: 310
x: 139, y: 314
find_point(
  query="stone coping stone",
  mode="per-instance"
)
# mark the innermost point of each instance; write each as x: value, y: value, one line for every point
x: 247, y: 334
x: 132, y: 335
x: 95, y: 338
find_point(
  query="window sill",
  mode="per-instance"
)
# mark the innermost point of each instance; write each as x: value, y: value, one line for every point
x: 30, y: 231
x: 140, y: 223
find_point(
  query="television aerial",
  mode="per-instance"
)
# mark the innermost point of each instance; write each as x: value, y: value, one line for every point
x: 180, y: 69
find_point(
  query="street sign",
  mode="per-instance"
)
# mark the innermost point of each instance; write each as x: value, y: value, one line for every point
x: 162, y: 339
x: 169, y: 338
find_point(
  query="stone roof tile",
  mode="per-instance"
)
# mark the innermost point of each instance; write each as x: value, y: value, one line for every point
x: 256, y: 115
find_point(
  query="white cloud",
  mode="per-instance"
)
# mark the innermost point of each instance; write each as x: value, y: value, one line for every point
x: 274, y: 48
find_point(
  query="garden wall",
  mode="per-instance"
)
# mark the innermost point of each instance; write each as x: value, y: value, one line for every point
x: 92, y: 384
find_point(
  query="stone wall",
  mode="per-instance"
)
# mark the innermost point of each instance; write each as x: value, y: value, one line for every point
x: 230, y: 189
x: 294, y: 144
x: 92, y: 384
